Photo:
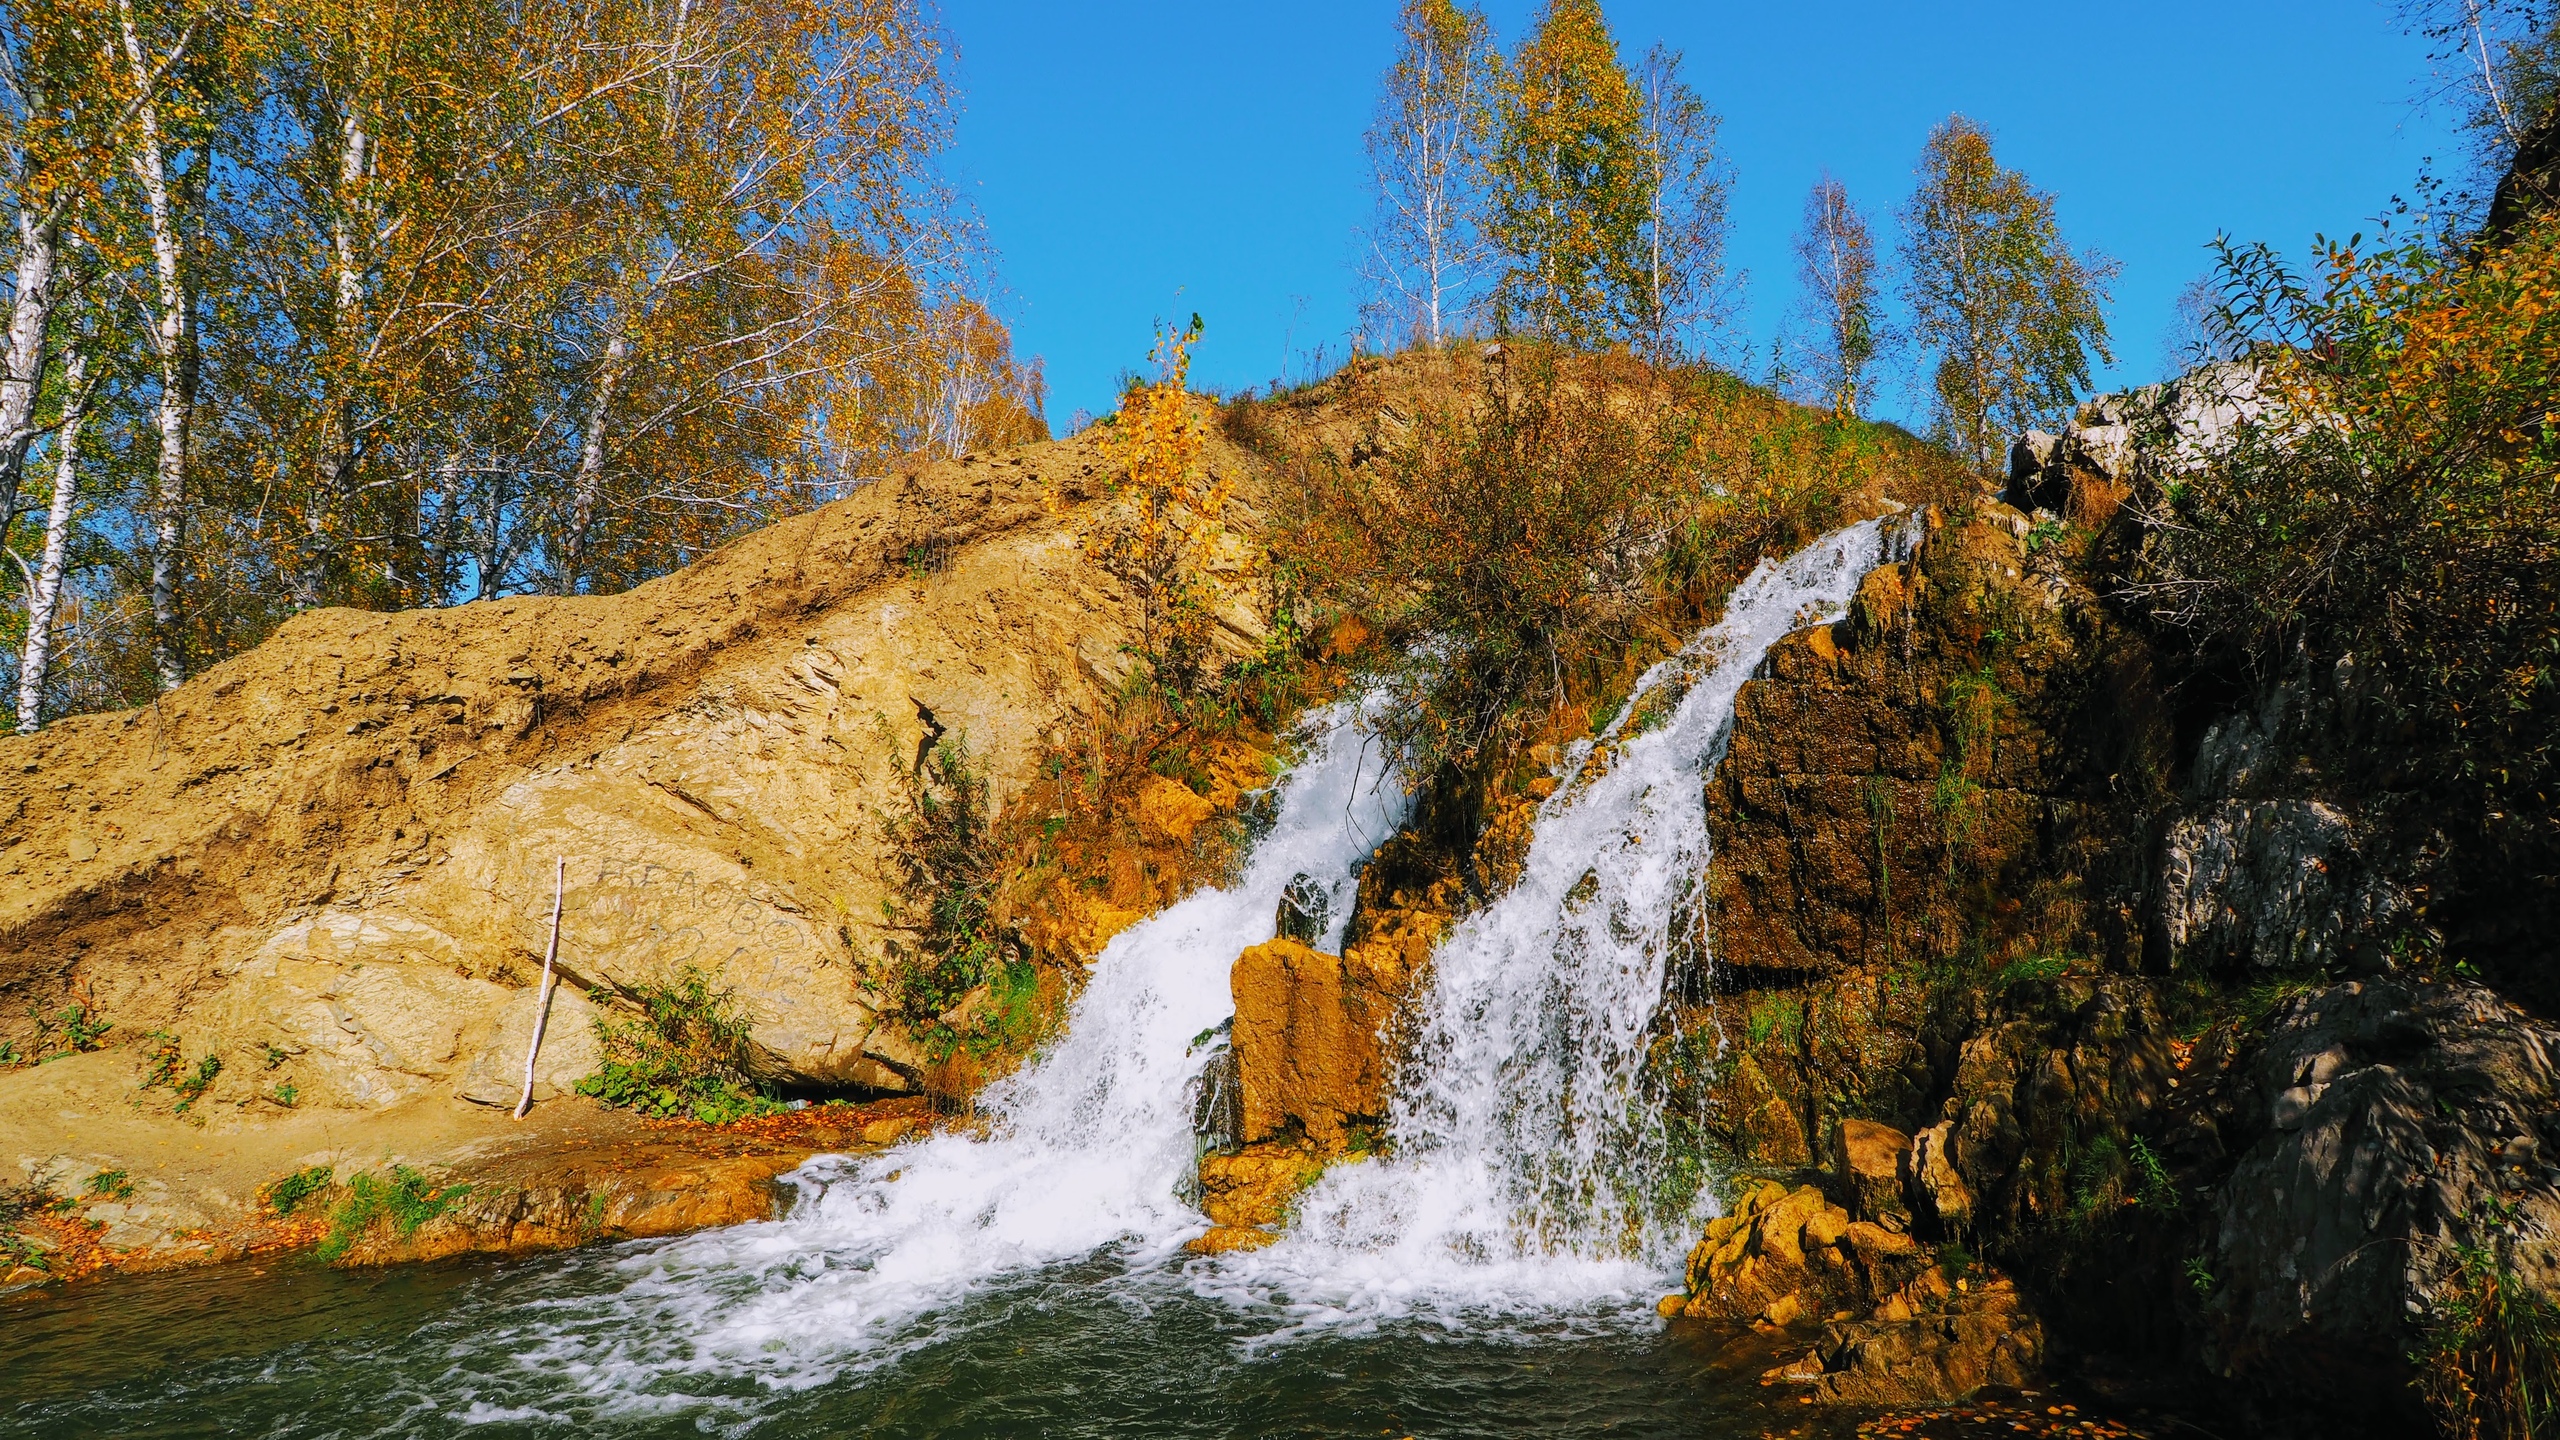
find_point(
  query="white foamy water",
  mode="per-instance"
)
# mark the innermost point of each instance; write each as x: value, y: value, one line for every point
x: 1086, y: 1149
x: 1527, y: 1175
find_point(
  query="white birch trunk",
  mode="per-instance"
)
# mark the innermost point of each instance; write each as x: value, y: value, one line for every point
x: 22, y: 368
x: 589, y: 485
x: 169, y: 341
x: 337, y: 437
x: 42, y: 597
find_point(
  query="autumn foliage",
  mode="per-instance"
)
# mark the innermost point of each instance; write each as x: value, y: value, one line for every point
x: 2385, y: 513
x: 397, y: 305
x: 1543, y: 520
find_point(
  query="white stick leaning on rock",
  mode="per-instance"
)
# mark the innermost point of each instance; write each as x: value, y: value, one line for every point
x: 542, y: 1001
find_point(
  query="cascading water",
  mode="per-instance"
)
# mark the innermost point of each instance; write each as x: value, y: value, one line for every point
x: 1088, y: 1147
x: 1527, y: 1193
x: 1528, y: 1173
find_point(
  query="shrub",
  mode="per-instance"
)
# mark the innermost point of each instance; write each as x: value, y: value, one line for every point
x: 1507, y: 539
x: 407, y: 1201
x: 289, y: 1192
x: 2388, y: 520
x: 683, y: 1056
x: 1157, y: 441
x: 945, y: 868
x: 2489, y: 1367
x: 1524, y: 535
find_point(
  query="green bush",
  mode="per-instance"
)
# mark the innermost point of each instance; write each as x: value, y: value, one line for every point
x: 2386, y: 529
x: 683, y: 1056
x: 945, y: 866
x: 286, y: 1194
x: 407, y: 1200
x: 2489, y: 1367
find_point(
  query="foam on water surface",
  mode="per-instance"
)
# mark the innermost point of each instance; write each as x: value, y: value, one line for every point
x: 1527, y: 1184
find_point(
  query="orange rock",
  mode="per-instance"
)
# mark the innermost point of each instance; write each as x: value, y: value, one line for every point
x: 1223, y: 1238
x: 1869, y: 1158
x: 1256, y: 1185
x: 1168, y: 810
x: 1307, y: 1038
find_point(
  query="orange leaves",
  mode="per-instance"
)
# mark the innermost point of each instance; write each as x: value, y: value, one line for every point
x: 1157, y: 442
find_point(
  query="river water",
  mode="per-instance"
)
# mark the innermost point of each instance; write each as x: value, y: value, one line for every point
x: 1494, y: 1276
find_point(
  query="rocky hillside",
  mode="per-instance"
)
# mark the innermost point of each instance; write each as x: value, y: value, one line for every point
x: 329, y: 864
x: 2120, y: 991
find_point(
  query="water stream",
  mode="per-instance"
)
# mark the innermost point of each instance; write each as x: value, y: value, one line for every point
x: 961, y: 1285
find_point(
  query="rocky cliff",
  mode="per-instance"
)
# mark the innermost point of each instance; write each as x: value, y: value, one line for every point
x: 2134, y: 980
x: 341, y: 846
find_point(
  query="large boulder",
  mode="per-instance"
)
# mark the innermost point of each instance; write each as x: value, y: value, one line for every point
x: 2381, y: 1133
x: 1310, y: 1040
x: 1897, y: 1325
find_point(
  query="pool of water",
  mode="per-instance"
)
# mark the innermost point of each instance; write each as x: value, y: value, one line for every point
x: 1102, y: 1347
x: 1492, y: 1274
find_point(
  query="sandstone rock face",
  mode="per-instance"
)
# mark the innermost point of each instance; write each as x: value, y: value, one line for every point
x: 1869, y: 1158
x: 1255, y: 1187
x: 1918, y: 884
x: 569, y: 1052
x: 1886, y: 770
x: 1947, y: 1344
x: 2378, y: 1130
x: 1900, y: 1330
x: 340, y: 848
x: 1310, y: 1046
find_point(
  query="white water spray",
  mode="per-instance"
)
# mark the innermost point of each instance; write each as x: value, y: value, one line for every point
x: 1526, y: 1180
x: 1528, y: 1175
x: 1088, y: 1147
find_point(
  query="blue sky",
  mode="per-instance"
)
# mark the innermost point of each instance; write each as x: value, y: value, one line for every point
x: 1135, y: 161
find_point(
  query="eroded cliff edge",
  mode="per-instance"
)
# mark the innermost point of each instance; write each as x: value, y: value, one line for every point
x: 317, y: 880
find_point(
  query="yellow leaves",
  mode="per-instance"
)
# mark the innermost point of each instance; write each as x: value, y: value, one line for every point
x: 1157, y: 441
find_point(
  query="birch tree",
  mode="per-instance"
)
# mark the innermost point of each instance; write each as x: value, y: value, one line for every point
x: 1426, y: 161
x: 453, y: 299
x: 1836, y: 268
x: 1681, y: 295
x: 167, y: 187
x: 780, y: 126
x: 50, y: 133
x: 2013, y: 316
x: 45, y: 578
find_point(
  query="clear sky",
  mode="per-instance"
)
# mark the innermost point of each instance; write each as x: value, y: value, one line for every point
x: 1142, y: 160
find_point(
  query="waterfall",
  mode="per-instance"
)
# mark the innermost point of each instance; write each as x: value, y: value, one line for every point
x: 1088, y: 1147
x: 1527, y: 1172
x: 1526, y: 1184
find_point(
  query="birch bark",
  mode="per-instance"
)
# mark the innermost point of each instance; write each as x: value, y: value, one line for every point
x: 588, y: 488
x: 169, y: 340
x: 36, y: 656
x: 336, y: 458
x: 22, y: 368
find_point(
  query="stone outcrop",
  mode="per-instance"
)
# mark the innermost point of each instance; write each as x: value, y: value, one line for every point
x: 1986, y: 878
x: 2377, y: 1132
x: 1895, y: 1327
x: 573, y: 1174
x: 1249, y: 1194
x: 1310, y: 1039
x: 1889, y: 772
